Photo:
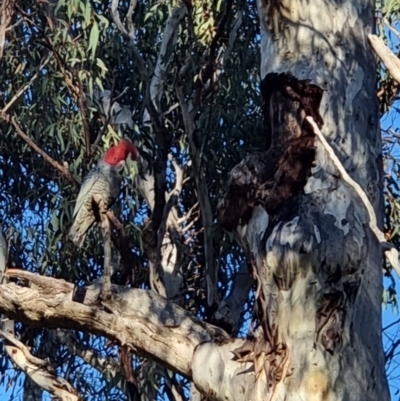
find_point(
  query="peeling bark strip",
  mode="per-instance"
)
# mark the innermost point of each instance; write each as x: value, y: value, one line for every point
x: 273, y: 177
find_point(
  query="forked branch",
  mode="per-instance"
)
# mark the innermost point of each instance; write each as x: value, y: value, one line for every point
x: 39, y: 370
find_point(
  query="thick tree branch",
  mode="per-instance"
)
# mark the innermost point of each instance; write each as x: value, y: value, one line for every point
x: 139, y: 319
x: 388, y: 58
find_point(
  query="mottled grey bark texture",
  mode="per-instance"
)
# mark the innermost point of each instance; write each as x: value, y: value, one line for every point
x: 318, y: 265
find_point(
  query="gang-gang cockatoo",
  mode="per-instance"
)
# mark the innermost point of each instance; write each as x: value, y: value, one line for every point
x: 101, y: 183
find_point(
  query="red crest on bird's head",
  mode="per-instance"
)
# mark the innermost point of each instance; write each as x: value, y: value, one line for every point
x: 120, y: 152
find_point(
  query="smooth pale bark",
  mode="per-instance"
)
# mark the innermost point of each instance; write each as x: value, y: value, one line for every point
x: 317, y: 263
x: 147, y: 323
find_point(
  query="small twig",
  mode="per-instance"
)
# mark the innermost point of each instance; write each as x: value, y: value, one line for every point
x: 390, y: 27
x: 58, y: 166
x: 172, y: 108
x: 187, y: 216
x: 389, y: 355
x: 82, y: 108
x: 391, y: 325
x: 390, y: 251
x: 189, y: 225
x: 27, y: 85
x: 120, y: 95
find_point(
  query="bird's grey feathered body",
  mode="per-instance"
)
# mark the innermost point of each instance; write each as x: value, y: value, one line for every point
x: 100, y: 185
x: 104, y: 180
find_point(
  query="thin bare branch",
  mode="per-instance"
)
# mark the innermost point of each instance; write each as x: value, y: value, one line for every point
x: 82, y: 107
x: 390, y: 353
x: 188, y: 215
x: 129, y: 18
x: 165, y: 55
x: 58, y: 166
x: 27, y: 85
x: 106, y: 232
x: 92, y: 358
x: 39, y: 370
x: 172, y: 201
x: 129, y: 36
x: 188, y: 113
x: 6, y: 14
x: 391, y: 252
x: 391, y: 28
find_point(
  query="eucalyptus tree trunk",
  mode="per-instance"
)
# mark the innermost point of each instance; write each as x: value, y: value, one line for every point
x: 316, y: 262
